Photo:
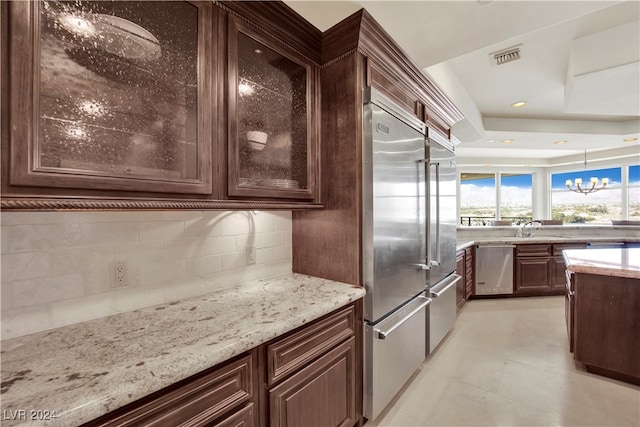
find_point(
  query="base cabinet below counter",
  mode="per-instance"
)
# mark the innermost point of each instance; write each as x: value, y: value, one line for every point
x: 311, y: 376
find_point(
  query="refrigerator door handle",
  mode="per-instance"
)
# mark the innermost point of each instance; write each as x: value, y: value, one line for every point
x: 393, y: 322
x: 444, y: 287
x: 438, y: 259
x: 427, y: 226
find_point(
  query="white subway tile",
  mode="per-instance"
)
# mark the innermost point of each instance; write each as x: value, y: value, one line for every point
x: 263, y: 222
x: 220, y: 245
x: 159, y: 272
x: 25, y: 320
x: 123, y: 216
x: 26, y: 265
x: 98, y: 281
x: 42, y: 237
x: 184, y: 289
x: 278, y: 238
x: 282, y: 221
x: 246, y: 240
x: 289, y: 238
x: 138, y: 252
x: 203, y: 226
x: 76, y: 310
x: 129, y: 299
x: 265, y: 255
x: 225, y: 279
x: 185, y: 248
x: 5, y: 297
x: 277, y: 268
x: 78, y: 259
x: 204, y: 265
x: 4, y: 239
x: 106, y: 233
x: 21, y: 218
x: 234, y: 260
x: 43, y: 290
x: 160, y: 230
x: 237, y: 223
x: 283, y: 252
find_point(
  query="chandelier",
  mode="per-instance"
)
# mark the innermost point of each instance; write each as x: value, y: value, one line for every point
x: 591, y: 187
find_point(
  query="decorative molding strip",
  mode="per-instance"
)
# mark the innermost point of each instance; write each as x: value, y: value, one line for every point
x: 343, y: 56
x: 266, y: 32
x: 75, y: 204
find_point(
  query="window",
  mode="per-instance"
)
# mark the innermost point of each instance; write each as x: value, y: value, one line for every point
x: 595, y: 208
x: 634, y: 193
x: 515, y: 197
x: 477, y: 198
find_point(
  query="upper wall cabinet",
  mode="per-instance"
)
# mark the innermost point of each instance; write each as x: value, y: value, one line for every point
x: 112, y: 95
x: 272, y: 117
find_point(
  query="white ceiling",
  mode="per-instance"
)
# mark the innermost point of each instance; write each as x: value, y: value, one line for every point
x: 578, y: 56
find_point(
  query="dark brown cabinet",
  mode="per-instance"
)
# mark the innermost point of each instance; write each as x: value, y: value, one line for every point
x: 311, y: 376
x: 461, y: 285
x: 469, y: 278
x: 183, y: 104
x: 112, y: 95
x: 540, y: 268
x: 272, y: 117
x: 602, y: 318
x: 223, y: 395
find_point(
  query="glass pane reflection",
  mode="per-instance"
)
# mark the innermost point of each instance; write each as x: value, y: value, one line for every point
x: 118, y: 87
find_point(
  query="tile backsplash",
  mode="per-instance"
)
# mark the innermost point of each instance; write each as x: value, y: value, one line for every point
x: 56, y: 265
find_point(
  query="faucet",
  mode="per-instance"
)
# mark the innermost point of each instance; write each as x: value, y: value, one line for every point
x: 526, y: 230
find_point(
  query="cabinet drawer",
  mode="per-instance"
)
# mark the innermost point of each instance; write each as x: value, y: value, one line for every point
x: 533, y: 250
x: 195, y: 401
x: 557, y: 249
x: 245, y: 417
x: 293, y: 352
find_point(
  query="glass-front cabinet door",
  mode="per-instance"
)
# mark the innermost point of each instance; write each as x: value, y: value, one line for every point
x: 272, y: 132
x: 113, y: 95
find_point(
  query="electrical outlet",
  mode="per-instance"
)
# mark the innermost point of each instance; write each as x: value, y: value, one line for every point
x: 251, y: 255
x: 118, y: 274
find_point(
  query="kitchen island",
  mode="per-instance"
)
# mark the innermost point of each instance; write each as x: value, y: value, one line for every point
x: 603, y: 310
x: 73, y: 374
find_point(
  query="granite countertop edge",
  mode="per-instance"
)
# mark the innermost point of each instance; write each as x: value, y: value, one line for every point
x: 462, y: 244
x: 602, y: 262
x: 82, y: 371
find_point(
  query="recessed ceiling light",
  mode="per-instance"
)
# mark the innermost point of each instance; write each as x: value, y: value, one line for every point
x: 560, y: 142
x: 519, y: 104
x: 630, y: 139
x: 507, y: 141
x: 492, y: 140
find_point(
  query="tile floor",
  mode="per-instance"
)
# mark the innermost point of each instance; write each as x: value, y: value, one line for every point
x: 507, y: 363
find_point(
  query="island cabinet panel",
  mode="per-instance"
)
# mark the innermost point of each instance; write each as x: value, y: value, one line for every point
x: 197, y: 401
x: 606, y: 323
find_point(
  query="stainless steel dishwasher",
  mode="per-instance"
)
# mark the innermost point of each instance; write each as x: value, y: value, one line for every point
x: 494, y: 269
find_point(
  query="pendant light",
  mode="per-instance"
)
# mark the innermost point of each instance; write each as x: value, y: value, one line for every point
x: 592, y: 187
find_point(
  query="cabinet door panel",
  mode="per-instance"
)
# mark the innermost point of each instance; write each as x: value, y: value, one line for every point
x: 271, y: 118
x: 321, y: 395
x: 533, y: 275
x: 112, y: 95
x: 461, y: 286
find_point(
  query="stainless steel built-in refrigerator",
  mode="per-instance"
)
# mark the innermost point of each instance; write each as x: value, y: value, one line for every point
x: 394, y: 248
x: 441, y: 254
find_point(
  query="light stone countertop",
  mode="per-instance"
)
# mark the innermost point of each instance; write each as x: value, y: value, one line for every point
x: 606, y: 262
x: 541, y: 239
x: 82, y: 371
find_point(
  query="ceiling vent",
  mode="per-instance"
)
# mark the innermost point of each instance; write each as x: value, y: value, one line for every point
x: 506, y: 55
